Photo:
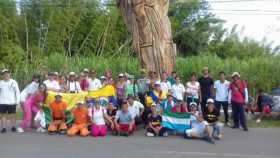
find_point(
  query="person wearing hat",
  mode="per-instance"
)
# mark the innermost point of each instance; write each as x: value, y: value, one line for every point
x: 98, y: 115
x: 178, y: 89
x: 124, y: 121
x: 206, y: 88
x: 131, y: 87
x: 31, y: 107
x: 9, y: 99
x: 103, y: 80
x: 193, y: 89
x: 73, y: 86
x: 81, y: 119
x: 199, y: 128
x: 212, y: 118
x: 135, y: 108
x: 83, y: 79
x: 120, y: 88
x: 221, y: 88
x: 51, y: 83
x: 57, y: 108
x: 155, y: 124
x: 30, y: 89
x: 238, y: 98
x: 93, y: 81
x: 169, y: 103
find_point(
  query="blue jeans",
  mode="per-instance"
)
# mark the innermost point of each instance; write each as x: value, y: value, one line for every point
x: 217, y: 128
x: 238, y: 115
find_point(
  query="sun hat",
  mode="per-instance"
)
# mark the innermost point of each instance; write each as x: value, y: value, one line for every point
x: 85, y: 70
x: 193, y: 104
x: 235, y: 74
x: 5, y: 70
x: 210, y: 101
x: 121, y: 75
x: 58, y: 95
x: 103, y: 77
x: 72, y: 74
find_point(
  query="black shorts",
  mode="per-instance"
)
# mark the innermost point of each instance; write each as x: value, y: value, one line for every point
x: 7, y: 109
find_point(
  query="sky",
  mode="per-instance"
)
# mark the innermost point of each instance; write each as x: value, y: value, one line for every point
x: 258, y: 19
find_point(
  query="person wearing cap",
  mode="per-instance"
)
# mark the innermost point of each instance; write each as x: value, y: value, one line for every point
x: 178, y: 89
x: 120, y: 88
x: 126, y: 78
x: 156, y: 95
x: 193, y: 90
x: 31, y: 107
x: 73, y: 86
x: 206, y: 88
x: 98, y: 115
x: 169, y: 103
x: 51, y: 83
x: 179, y: 107
x: 154, y: 124
x: 131, y: 87
x: 86, y: 72
x: 93, y: 81
x: 9, y: 99
x: 199, y: 128
x: 212, y: 118
x: 165, y: 84
x: 124, y: 121
x: 172, y: 78
x: 58, y: 119
x: 81, y: 120
x: 136, y: 109
x: 30, y: 89
x: 103, y: 80
x: 238, y: 98
x: 221, y: 88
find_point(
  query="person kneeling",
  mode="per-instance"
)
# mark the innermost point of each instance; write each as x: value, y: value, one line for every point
x: 124, y: 121
x: 199, y: 129
x: 155, y: 128
x: 57, y: 109
x: 212, y: 118
x: 80, y: 115
x: 99, y: 117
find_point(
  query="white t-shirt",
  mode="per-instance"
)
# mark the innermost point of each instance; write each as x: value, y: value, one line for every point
x: 222, y: 90
x: 52, y: 85
x: 74, y: 86
x: 94, y: 84
x: 193, y: 89
x: 9, y: 92
x: 165, y: 86
x: 135, y: 108
x: 30, y: 89
x: 178, y: 91
x: 97, y: 116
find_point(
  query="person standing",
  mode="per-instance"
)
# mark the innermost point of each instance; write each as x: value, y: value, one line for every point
x: 238, y: 98
x: 9, y: 99
x: 165, y: 84
x: 206, y: 88
x: 143, y: 86
x: 51, y: 83
x: 94, y: 82
x: 72, y: 85
x: 178, y: 89
x: 221, y: 88
x: 193, y: 90
x: 30, y: 89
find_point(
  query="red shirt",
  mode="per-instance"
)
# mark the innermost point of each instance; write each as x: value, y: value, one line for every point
x: 182, y: 110
x: 238, y: 91
x: 84, y: 84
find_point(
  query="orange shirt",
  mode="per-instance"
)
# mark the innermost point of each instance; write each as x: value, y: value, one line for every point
x: 80, y: 115
x: 58, y: 109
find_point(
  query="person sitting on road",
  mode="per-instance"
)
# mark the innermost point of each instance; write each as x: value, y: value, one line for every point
x: 57, y: 109
x: 124, y: 122
x: 81, y: 118
x: 199, y: 129
x: 263, y: 103
x: 212, y: 118
x: 99, y: 117
x: 179, y: 107
x: 155, y: 128
x: 111, y: 112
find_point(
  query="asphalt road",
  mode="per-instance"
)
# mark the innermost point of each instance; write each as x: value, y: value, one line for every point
x: 258, y: 143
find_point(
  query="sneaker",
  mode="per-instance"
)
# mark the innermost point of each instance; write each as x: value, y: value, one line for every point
x: 258, y: 121
x: 4, y: 130
x: 219, y: 137
x: 245, y: 129
x: 228, y: 124
x: 149, y: 134
x: 165, y: 134
x: 209, y: 140
x: 20, y: 130
x: 40, y: 130
x: 14, y: 129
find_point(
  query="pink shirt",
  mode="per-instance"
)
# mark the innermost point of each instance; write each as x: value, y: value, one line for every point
x: 237, y: 89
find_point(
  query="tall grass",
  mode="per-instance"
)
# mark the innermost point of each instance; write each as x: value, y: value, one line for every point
x: 260, y: 72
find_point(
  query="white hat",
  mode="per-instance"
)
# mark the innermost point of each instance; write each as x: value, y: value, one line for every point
x: 193, y: 104
x: 72, y: 74
x: 80, y: 102
x: 5, y: 70
x: 85, y: 70
x: 235, y: 74
x: 153, y: 104
x: 157, y: 83
x: 58, y: 94
x: 121, y: 75
x: 56, y: 73
x: 210, y: 101
x: 102, y: 77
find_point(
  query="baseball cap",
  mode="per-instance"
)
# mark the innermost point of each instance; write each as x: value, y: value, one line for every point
x: 72, y: 74
x: 210, y: 101
x: 5, y: 70
x: 235, y: 74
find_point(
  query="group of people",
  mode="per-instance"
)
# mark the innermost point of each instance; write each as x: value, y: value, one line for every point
x: 137, y: 102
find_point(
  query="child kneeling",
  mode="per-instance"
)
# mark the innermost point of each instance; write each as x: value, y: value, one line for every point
x: 155, y: 128
x: 81, y: 118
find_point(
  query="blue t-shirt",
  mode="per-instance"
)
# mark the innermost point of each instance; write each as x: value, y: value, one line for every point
x: 199, y: 126
x: 124, y: 118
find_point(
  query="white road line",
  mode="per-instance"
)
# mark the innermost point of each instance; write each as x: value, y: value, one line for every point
x: 206, y: 154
